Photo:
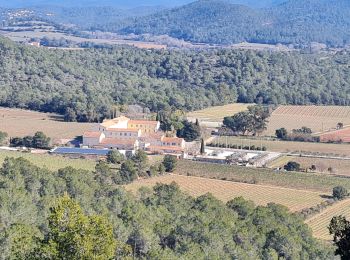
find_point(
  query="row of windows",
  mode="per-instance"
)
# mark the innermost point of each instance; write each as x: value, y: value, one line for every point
x: 172, y: 144
x: 122, y: 134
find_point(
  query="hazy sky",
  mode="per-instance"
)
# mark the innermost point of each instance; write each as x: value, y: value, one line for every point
x: 122, y: 3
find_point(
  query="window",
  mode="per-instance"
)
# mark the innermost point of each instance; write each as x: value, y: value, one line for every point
x: 173, y: 144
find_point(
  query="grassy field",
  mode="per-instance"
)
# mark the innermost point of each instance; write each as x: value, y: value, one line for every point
x: 49, y: 161
x: 303, y: 181
x: 341, y: 167
x: 295, y: 200
x: 17, y: 122
x: 319, y: 223
x: 216, y: 114
x: 286, y: 146
x: 318, y: 118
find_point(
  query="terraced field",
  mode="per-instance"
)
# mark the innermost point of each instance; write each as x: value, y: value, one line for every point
x: 319, y: 223
x: 318, y: 118
x: 295, y: 200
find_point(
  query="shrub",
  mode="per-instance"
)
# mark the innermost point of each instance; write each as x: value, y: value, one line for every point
x: 115, y: 157
x: 169, y: 163
x: 340, y: 192
x: 292, y: 166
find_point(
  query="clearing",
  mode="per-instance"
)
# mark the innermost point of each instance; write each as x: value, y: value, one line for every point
x: 318, y: 118
x: 319, y: 223
x: 274, y: 145
x: 295, y: 200
x: 50, y: 162
x: 18, y: 122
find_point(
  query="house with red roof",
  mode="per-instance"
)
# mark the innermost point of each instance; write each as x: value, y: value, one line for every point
x: 123, y: 133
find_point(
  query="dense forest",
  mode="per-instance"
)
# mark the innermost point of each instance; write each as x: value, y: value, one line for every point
x: 84, y: 85
x: 297, y: 22
x: 76, y: 214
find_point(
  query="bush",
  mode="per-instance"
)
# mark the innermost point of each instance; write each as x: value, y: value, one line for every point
x: 115, y: 157
x: 3, y: 138
x: 292, y: 167
x: 281, y: 133
x: 169, y: 163
x: 340, y: 192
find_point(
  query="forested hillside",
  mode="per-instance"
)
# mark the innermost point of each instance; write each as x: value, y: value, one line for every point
x: 297, y: 22
x: 162, y: 223
x: 106, y: 18
x: 84, y: 85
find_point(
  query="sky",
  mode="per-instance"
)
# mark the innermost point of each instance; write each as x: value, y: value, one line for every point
x: 123, y: 3
x: 67, y: 3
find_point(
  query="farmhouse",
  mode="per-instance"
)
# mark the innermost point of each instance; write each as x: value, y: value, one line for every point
x: 341, y: 135
x: 123, y: 133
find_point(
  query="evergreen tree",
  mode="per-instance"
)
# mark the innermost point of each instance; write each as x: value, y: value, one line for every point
x: 202, y: 150
x: 73, y: 235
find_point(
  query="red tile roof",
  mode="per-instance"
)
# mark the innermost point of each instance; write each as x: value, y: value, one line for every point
x: 162, y: 148
x: 122, y: 130
x: 143, y: 122
x: 172, y: 140
x: 118, y: 141
x: 92, y: 134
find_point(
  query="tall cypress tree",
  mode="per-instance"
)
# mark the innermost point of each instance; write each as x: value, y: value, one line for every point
x: 202, y: 146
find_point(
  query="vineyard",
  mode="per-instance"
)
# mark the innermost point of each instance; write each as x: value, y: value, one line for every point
x: 304, y: 181
x: 319, y: 223
x: 318, y: 118
x: 329, y: 166
x: 17, y: 122
x: 216, y: 114
x: 286, y: 146
x: 295, y: 200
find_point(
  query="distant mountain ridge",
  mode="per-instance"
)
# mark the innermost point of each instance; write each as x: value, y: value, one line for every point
x: 297, y: 22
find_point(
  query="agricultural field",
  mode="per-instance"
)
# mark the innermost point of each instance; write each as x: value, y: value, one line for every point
x: 50, y: 162
x: 319, y: 223
x: 21, y: 36
x: 18, y: 122
x: 273, y: 145
x: 318, y: 118
x: 296, y: 180
x: 213, y: 116
x: 329, y: 166
x: 295, y: 200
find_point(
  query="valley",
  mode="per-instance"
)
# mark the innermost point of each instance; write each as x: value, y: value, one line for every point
x: 174, y: 130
